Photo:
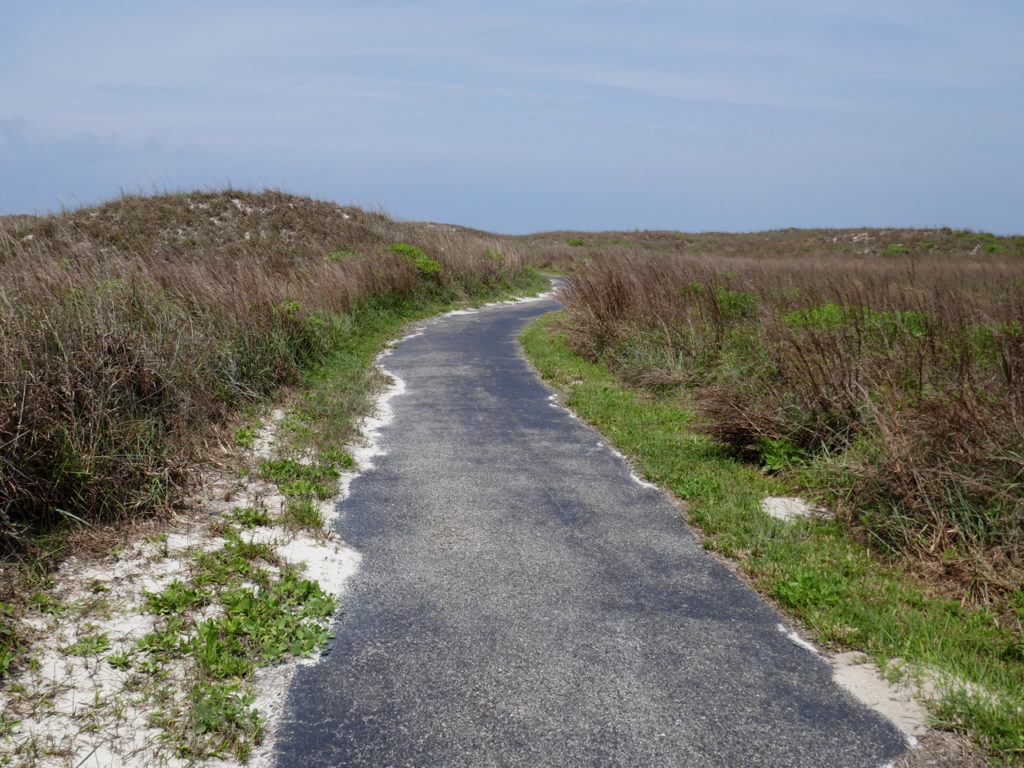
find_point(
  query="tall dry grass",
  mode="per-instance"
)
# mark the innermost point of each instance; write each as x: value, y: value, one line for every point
x: 129, y: 329
x: 884, y: 367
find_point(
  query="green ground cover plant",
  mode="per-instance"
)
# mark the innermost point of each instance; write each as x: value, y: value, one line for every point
x: 818, y: 570
x: 265, y: 612
x: 251, y: 517
x: 10, y: 644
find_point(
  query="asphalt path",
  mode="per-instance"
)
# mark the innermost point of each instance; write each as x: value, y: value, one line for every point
x: 524, y: 601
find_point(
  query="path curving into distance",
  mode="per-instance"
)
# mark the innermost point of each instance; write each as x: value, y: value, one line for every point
x: 524, y: 601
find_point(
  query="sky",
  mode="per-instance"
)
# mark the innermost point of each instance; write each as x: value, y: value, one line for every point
x: 694, y: 115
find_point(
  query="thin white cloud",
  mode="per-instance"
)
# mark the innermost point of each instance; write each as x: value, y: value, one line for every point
x: 653, y: 89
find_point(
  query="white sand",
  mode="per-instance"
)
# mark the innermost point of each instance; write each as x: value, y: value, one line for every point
x: 789, y: 508
x: 81, y: 710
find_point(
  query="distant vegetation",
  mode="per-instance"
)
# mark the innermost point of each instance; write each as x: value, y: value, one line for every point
x: 130, y: 332
x: 883, y: 368
x: 880, y: 367
x: 876, y: 370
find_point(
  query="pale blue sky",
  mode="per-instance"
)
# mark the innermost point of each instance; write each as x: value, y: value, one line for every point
x: 729, y: 115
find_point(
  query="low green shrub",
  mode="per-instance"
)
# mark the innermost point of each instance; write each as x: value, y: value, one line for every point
x: 420, y: 260
x: 895, y: 249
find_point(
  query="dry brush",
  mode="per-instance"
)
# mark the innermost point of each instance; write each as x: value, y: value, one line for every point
x: 130, y: 330
x: 884, y: 368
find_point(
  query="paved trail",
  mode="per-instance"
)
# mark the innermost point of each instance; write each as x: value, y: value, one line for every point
x: 522, y: 601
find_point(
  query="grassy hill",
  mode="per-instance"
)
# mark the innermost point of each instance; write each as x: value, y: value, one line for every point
x: 131, y: 331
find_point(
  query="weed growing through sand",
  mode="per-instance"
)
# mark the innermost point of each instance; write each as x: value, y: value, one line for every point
x: 303, y: 513
x: 336, y: 457
x: 45, y: 603
x: 304, y: 488
x: 90, y: 645
x: 245, y: 435
x: 301, y: 480
x: 175, y: 598
x: 121, y: 660
x: 250, y: 517
x: 223, y: 711
x: 289, y: 470
x: 10, y: 644
x: 262, y: 616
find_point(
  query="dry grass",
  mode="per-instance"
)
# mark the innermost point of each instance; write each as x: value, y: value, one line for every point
x: 129, y: 331
x: 884, y: 367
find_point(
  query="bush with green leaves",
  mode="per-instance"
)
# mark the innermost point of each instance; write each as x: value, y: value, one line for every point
x: 419, y: 259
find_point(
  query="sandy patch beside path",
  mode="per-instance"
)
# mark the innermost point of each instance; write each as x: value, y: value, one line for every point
x: 75, y: 705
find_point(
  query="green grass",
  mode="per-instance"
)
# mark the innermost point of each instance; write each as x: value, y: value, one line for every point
x: 303, y: 513
x: 848, y: 598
